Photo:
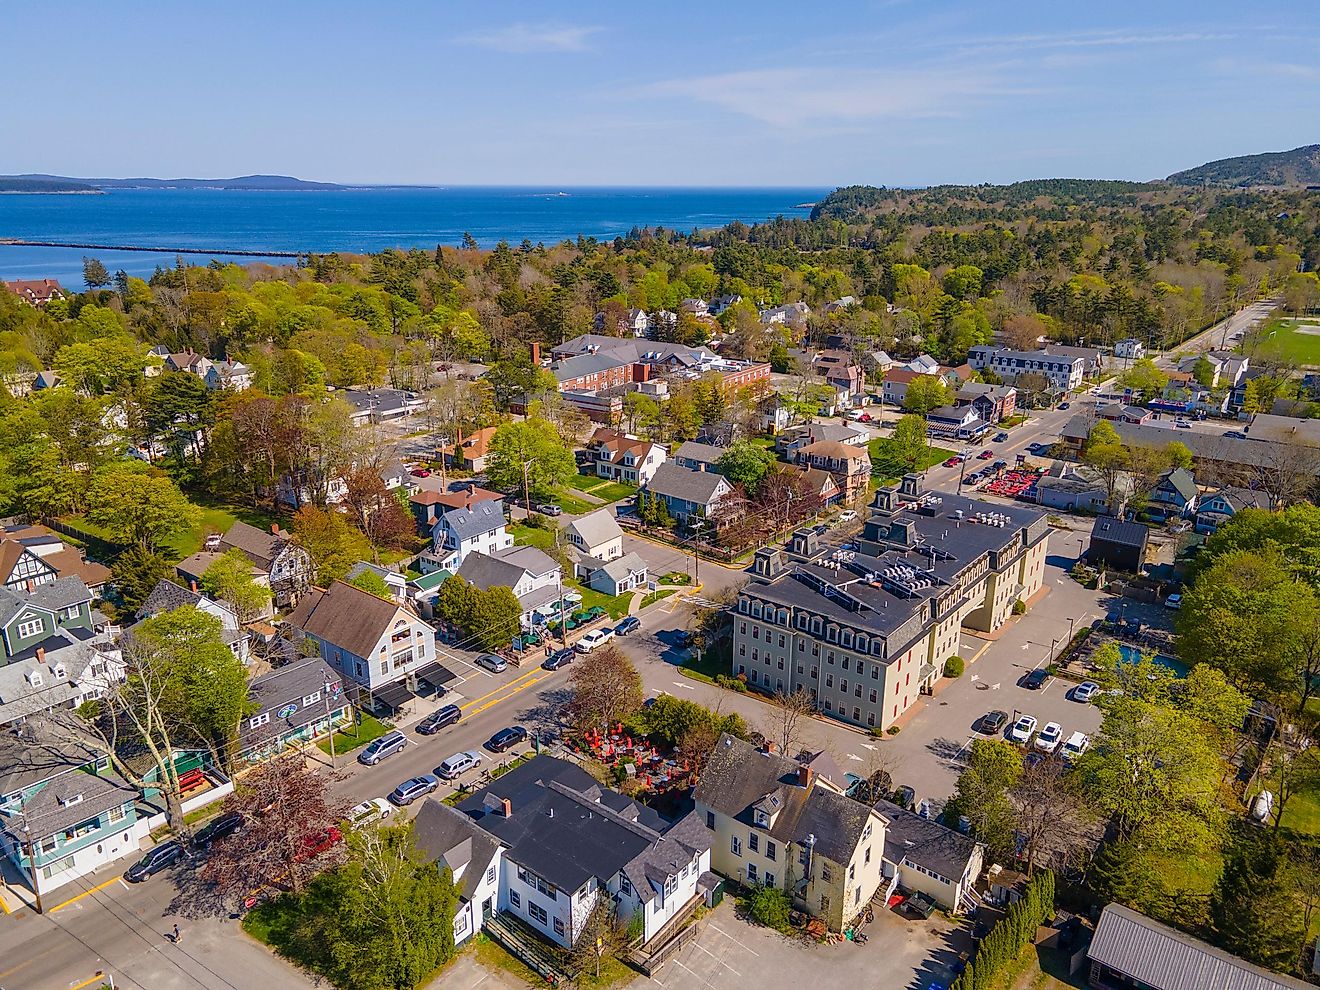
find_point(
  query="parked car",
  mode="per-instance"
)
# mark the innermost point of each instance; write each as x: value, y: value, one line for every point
x: 847, y: 515
x: 492, y: 662
x: 1048, y: 739
x: 992, y: 723
x: 317, y: 843
x: 162, y: 857
x: 420, y: 473
x: 549, y: 509
x: 865, y: 417
x: 378, y: 749
x: 629, y: 624
x: 1022, y: 729
x: 953, y: 461
x: 1182, y: 424
x: 458, y: 764
x: 1064, y: 405
x: 560, y: 658
x: 1235, y: 435
x: 1174, y: 602
x: 1077, y: 744
x: 412, y: 789
x: 999, y: 465
x: 821, y: 529
x: 1001, y: 436
x: 985, y: 455
x: 855, y: 415
x: 1035, y: 679
x: 593, y: 639
x: 230, y: 823
x: 370, y: 812
x: 1085, y: 691
x: 438, y: 719
x: 1034, y: 759
x: 905, y: 796
x: 973, y: 478
x: 506, y: 739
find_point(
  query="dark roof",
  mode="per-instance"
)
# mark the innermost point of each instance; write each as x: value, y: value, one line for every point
x: 48, y: 811
x: 166, y: 597
x: 60, y: 593
x: 1241, y: 498
x: 1180, y: 479
x: 678, y: 482
x: 486, y: 571
x: 1204, y: 446
x: 667, y: 858
x: 925, y: 842
x: 702, y: 453
x: 260, y: 545
x: 588, y: 364
x: 1167, y: 959
x: 564, y: 826
x: 345, y: 616
x: 454, y: 840
x: 289, y: 686
x: 1128, y: 534
x: 738, y: 776
x: 485, y: 516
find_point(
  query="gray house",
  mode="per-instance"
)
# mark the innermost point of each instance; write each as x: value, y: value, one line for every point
x: 689, y: 496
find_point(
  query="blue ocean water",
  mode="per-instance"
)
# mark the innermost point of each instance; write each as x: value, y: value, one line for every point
x: 356, y: 220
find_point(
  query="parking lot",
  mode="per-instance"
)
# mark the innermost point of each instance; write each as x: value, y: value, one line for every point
x: 733, y: 952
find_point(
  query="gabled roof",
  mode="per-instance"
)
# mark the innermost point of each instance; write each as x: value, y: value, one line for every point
x: 702, y: 453
x: 166, y: 597
x: 620, y: 567
x: 456, y: 498
x: 924, y: 842
x: 485, y: 516
x: 454, y: 840
x: 347, y: 617
x: 597, y: 528
x: 588, y: 364
x: 836, y: 449
x: 700, y: 487
x: 261, y: 546
x: 1240, y: 498
x: 288, y: 686
x: 1128, y: 534
x: 1181, y: 481
x: 505, y: 569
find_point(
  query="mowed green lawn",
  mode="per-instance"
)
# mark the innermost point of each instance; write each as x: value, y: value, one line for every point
x: 887, y: 468
x: 602, y: 488
x: 1285, y: 338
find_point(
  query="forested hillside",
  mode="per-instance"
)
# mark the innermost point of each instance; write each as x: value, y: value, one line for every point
x: 1299, y: 167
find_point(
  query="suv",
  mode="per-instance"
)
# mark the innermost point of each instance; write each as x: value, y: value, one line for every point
x: 506, y: 738
x: 230, y: 823
x: 458, y: 764
x: 992, y: 723
x: 495, y: 664
x: 1036, y: 679
x: 1001, y: 436
x: 1022, y: 729
x: 560, y: 658
x: 163, y: 856
x: 1047, y: 741
x: 413, y: 788
x: 630, y: 624
x: 438, y: 719
x: 593, y: 639
x: 1077, y: 744
x: 549, y: 509
x: 378, y: 749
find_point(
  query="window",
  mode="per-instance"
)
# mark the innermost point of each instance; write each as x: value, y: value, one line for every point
x: 867, y: 857
x: 735, y: 845
x: 115, y: 814
x: 769, y: 849
x: 625, y: 885
x: 30, y: 628
x: 857, y: 691
x: 490, y: 875
x: 852, y: 872
x: 866, y: 832
x: 753, y: 842
x: 802, y: 857
x: 710, y: 820
x: 843, y: 685
x: 825, y: 875
x: 829, y: 680
x: 559, y: 926
x: 259, y: 720
x: 312, y: 699
x: 769, y: 879
x: 742, y: 649
x: 537, y: 912
x: 515, y: 899
x: 824, y: 902
x: 875, y: 696
x: 751, y: 873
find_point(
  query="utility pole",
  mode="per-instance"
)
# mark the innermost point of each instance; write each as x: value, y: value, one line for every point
x: 329, y: 717
x: 32, y: 853
x: 527, y: 498
x: 696, y: 556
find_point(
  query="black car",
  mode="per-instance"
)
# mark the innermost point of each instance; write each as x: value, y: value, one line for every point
x: 1001, y: 436
x: 438, y: 719
x: 560, y: 658
x: 505, y: 738
x: 223, y: 827
x: 1064, y: 405
x: 630, y: 624
x: 162, y: 857
x: 1035, y: 679
x: 992, y: 723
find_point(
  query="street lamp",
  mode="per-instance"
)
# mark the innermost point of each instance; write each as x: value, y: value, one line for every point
x: 696, y: 556
x: 962, y: 467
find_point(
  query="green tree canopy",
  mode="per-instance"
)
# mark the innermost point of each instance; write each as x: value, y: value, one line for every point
x: 535, y: 445
x: 924, y: 393
x: 135, y: 504
x: 981, y: 794
x: 746, y: 464
x: 231, y: 579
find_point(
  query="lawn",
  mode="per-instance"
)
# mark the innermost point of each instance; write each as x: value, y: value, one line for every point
x: 602, y: 488
x: 888, y: 468
x: 616, y: 606
x: 218, y: 519
x: 531, y: 536
x: 1302, y: 814
x: 1283, y: 337
x: 572, y: 504
x: 656, y: 596
x: 368, y: 728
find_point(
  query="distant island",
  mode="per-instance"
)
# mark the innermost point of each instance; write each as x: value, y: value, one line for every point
x: 39, y: 183
x: 1299, y: 167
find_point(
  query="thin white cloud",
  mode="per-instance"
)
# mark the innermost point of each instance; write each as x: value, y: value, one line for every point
x: 523, y: 38
x: 794, y: 97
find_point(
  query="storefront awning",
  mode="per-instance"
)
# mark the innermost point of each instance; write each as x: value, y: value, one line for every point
x: 436, y: 674
x: 395, y: 695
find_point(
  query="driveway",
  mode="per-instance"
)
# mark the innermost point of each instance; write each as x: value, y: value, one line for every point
x: 732, y: 952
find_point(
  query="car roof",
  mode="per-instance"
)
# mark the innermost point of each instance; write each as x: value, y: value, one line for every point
x: 1077, y: 736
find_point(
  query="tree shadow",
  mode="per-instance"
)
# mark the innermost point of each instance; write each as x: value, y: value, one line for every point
x: 942, y: 965
x: 948, y: 750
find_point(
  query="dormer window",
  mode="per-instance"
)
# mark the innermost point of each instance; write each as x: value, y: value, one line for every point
x: 32, y: 627
x: 761, y: 818
x: 34, y: 678
x: 60, y: 672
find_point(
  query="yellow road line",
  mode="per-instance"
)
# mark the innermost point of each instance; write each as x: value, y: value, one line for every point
x: 98, y: 978
x: 85, y: 893
x: 520, y: 687
x: 504, y: 687
x: 980, y: 651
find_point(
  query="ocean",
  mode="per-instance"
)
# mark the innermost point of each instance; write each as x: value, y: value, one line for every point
x: 353, y: 220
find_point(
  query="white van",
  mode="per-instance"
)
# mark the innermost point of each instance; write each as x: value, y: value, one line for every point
x: 1077, y: 744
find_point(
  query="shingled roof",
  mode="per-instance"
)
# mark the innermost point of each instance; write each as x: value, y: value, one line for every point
x: 345, y: 616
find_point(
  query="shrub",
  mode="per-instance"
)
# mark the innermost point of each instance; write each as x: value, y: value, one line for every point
x: 893, y: 730
x: 1019, y: 607
x: 769, y: 906
x: 954, y: 666
x: 877, y: 732
x: 732, y: 683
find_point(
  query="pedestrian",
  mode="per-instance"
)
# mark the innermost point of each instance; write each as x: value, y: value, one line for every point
x: 176, y: 934
x: 547, y: 649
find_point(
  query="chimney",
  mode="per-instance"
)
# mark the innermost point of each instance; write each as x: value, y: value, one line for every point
x: 192, y: 585
x: 771, y: 747
x: 275, y: 528
x: 508, y: 807
x: 41, y: 654
x: 536, y: 352
x: 805, y: 773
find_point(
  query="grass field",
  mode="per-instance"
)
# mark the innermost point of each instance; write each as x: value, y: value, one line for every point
x: 887, y: 469
x: 610, y: 491
x: 531, y: 536
x: 1283, y: 337
x: 367, y: 729
x: 217, y: 519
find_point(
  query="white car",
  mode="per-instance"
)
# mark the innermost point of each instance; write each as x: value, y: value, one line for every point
x: 847, y: 515
x: 1174, y: 602
x: 1022, y: 729
x: 1085, y: 691
x: 593, y: 639
x: 1077, y: 744
x: 370, y: 812
x: 1050, y: 737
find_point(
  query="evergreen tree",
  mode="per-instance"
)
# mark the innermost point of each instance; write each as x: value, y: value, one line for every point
x: 1252, y: 907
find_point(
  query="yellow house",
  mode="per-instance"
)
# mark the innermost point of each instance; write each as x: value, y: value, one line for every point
x: 923, y: 855
x: 784, y: 824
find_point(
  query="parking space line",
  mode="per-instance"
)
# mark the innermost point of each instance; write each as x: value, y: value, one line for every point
x: 718, y: 959
x: 731, y: 938
x: 679, y: 962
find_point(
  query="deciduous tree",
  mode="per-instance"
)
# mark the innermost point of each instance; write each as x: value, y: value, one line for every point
x: 135, y: 504
x: 230, y: 579
x: 606, y: 689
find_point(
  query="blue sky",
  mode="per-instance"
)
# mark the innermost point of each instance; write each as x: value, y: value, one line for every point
x: 676, y: 93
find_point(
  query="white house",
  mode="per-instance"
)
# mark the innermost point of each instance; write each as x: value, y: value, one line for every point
x: 478, y: 529
x: 475, y: 857
x: 1130, y: 349
x: 1063, y: 371
x: 564, y: 842
x: 228, y: 374
x: 625, y: 458
x: 379, y: 646
x: 168, y: 595
x: 596, y: 535
x: 533, y: 576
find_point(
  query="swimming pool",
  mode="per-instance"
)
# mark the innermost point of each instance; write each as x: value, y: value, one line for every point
x: 1132, y: 654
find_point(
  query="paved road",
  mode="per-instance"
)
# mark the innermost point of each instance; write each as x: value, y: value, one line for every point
x: 1224, y: 334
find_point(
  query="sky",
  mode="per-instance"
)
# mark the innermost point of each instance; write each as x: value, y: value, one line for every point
x: 715, y: 93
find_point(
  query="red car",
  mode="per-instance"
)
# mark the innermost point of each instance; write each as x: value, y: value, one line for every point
x: 314, y: 845
x: 420, y: 473
x: 953, y: 461
x: 866, y: 417
x: 985, y: 455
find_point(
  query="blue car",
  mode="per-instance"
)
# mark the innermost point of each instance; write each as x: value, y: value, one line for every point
x: 629, y: 624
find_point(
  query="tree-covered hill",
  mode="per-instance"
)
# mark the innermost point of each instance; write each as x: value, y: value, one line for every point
x: 1299, y: 167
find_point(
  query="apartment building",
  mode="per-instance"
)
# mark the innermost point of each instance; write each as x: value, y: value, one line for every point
x: 1063, y: 371
x: 869, y: 633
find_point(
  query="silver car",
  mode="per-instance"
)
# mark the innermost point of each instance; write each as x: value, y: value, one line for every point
x: 495, y: 664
